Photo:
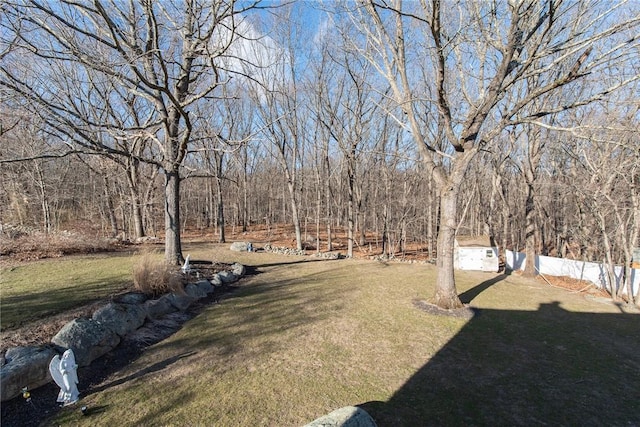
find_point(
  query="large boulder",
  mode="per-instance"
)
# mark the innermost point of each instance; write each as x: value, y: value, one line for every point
x: 87, y: 338
x: 25, y: 367
x: 205, y: 286
x: 349, y: 416
x: 240, y: 246
x: 157, y: 308
x: 215, y: 280
x: 120, y: 318
x: 180, y: 301
x: 131, y: 298
x: 194, y: 291
x: 238, y: 269
x: 227, y: 277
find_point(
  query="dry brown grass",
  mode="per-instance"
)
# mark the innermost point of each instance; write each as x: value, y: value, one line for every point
x: 153, y: 276
x: 300, y: 337
x: 36, y: 245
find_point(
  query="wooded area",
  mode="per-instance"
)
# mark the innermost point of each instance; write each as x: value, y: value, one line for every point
x: 414, y: 121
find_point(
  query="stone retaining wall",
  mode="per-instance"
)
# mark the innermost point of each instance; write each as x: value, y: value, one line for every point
x: 90, y: 338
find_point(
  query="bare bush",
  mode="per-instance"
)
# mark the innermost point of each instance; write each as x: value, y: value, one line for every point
x: 153, y: 276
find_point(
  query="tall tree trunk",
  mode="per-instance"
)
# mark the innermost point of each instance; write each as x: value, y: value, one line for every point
x: 111, y: 212
x: 295, y: 214
x: 327, y: 196
x: 445, y: 294
x: 530, y: 234
x: 220, y: 214
x: 136, y: 210
x: 44, y: 199
x: 245, y: 191
x: 219, y: 157
x: 136, y: 213
x: 350, y: 205
x: 172, y: 243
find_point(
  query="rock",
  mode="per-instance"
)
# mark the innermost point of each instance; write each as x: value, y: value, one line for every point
x: 238, y: 269
x: 205, y: 286
x: 240, y: 246
x: 181, y: 302
x: 145, y: 239
x: 158, y: 308
x: 131, y: 298
x: 25, y: 367
x: 328, y: 255
x: 15, y: 353
x: 349, y: 416
x: 283, y: 250
x: 120, y: 318
x: 227, y: 277
x: 194, y: 291
x: 87, y: 338
x: 215, y: 280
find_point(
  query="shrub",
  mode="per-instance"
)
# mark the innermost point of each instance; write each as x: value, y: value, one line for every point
x: 153, y: 276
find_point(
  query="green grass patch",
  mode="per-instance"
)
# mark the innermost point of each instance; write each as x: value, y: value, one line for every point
x: 44, y: 288
x: 304, y: 337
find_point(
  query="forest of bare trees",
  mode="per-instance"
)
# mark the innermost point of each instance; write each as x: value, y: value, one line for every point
x: 409, y: 121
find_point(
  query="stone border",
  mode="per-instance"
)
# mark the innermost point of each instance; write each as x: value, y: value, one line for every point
x: 90, y: 338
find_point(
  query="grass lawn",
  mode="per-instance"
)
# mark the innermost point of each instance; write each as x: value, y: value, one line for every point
x: 47, y: 287
x: 304, y: 337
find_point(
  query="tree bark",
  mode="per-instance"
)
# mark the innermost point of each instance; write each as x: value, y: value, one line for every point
x: 219, y: 157
x: 446, y: 295
x: 530, y: 234
x: 111, y: 212
x: 350, y: 202
x: 172, y: 242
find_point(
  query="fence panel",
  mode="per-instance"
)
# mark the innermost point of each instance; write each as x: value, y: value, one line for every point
x: 591, y: 271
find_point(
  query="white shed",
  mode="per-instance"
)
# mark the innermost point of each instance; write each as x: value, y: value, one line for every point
x: 475, y: 253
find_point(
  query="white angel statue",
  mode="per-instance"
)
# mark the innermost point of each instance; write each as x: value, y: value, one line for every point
x: 186, y: 268
x: 63, y: 372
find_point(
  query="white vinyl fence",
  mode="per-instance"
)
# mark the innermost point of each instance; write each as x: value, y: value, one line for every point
x: 591, y: 271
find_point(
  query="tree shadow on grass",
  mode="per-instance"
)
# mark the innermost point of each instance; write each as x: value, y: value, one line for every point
x: 20, y: 309
x: 142, y: 372
x: 509, y: 367
x: 277, y: 264
x: 468, y: 296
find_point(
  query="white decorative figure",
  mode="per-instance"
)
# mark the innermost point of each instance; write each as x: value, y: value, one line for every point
x: 186, y: 268
x: 63, y: 372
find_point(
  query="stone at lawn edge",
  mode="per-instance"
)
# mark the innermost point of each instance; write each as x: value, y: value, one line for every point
x: 227, y: 277
x: 349, y: 416
x: 87, y: 338
x: 215, y: 280
x: 194, y: 291
x: 25, y: 367
x: 131, y: 298
x: 157, y: 308
x: 238, y: 269
x: 240, y: 246
x: 181, y: 302
x: 120, y: 318
x: 205, y: 286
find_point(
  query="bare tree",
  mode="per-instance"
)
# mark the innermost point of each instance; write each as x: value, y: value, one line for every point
x: 347, y: 112
x: 607, y: 163
x: 168, y: 54
x: 479, y: 56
